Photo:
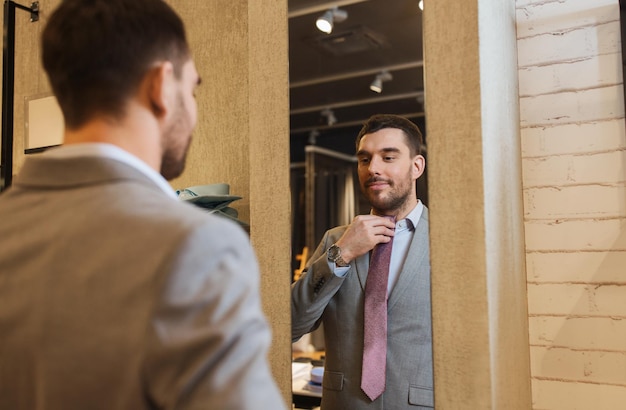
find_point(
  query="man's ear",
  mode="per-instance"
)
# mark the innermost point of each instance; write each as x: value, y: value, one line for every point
x: 419, y: 165
x: 160, y: 88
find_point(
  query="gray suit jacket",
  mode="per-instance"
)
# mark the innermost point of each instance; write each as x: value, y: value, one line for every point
x: 320, y: 296
x: 115, y: 296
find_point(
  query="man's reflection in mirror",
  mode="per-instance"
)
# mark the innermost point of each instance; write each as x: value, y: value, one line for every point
x: 378, y: 343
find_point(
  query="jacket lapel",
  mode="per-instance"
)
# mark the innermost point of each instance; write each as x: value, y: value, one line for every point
x: 362, y: 266
x: 416, y: 265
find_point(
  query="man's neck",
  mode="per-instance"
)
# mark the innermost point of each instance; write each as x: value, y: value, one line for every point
x: 134, y: 134
x: 399, y: 213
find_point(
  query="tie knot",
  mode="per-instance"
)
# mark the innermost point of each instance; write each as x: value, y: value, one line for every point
x: 390, y: 217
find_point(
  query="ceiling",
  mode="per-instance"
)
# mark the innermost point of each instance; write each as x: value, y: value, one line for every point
x: 333, y: 71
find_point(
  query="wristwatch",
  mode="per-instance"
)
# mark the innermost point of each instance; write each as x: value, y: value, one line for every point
x: 334, y: 255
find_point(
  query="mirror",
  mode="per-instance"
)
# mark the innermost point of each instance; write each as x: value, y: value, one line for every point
x: 370, y: 63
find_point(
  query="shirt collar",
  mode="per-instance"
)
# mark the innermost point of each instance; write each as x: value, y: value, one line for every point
x: 412, y: 218
x: 97, y: 149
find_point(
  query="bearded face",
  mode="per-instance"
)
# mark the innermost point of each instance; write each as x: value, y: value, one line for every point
x: 389, y: 200
x: 387, y: 171
x: 177, y: 131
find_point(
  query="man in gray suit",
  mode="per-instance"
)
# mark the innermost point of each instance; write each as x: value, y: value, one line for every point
x: 331, y: 291
x: 114, y: 294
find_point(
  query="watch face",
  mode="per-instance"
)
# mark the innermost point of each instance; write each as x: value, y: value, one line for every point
x: 334, y: 252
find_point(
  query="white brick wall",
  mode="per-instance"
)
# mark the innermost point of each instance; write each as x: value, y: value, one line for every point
x: 576, y: 267
x: 574, y: 179
x: 556, y: 394
x: 568, y: 364
x: 573, y: 138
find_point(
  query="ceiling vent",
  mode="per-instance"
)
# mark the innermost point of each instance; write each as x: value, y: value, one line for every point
x: 350, y: 41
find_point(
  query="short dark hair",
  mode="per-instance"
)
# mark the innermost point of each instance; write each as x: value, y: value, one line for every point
x: 413, y: 135
x: 96, y: 52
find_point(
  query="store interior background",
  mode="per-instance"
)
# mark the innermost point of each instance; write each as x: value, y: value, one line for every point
x: 330, y: 98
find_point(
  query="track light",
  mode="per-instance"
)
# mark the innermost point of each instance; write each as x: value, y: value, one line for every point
x: 330, y: 116
x: 326, y: 21
x: 377, y: 84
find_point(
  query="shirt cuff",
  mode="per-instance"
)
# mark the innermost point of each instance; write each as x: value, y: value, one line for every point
x: 339, y: 271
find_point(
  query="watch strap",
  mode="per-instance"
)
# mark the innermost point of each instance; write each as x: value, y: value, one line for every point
x: 334, y: 255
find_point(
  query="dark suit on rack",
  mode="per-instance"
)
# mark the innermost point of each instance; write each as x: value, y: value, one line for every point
x: 322, y: 297
x: 116, y: 296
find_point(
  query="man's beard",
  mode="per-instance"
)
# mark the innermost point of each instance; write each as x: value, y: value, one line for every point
x: 175, y: 148
x: 396, y: 198
x: 173, y: 161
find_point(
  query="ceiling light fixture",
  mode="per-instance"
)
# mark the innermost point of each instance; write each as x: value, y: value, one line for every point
x: 330, y: 116
x: 377, y: 84
x: 421, y: 5
x: 326, y: 21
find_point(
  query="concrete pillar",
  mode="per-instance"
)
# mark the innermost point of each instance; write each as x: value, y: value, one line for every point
x: 480, y: 321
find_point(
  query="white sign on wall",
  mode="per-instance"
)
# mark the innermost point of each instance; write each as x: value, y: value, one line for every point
x: 44, y: 123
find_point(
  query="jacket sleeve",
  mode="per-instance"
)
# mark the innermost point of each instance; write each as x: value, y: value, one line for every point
x: 314, y: 290
x: 208, y: 336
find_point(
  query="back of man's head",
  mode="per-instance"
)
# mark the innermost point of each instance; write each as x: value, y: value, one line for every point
x: 96, y: 53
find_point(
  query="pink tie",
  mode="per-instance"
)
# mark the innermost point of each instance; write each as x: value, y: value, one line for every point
x: 375, y: 322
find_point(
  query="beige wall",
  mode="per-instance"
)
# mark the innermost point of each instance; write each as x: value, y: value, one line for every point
x: 242, y: 136
x: 574, y: 165
x: 480, y: 331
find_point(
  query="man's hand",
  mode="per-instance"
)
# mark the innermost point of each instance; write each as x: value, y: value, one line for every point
x: 365, y: 232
